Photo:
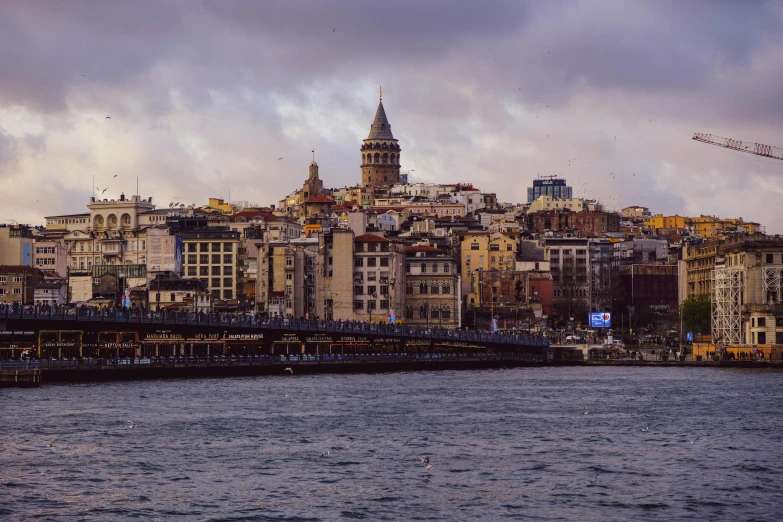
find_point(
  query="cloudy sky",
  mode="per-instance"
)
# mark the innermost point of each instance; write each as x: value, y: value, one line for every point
x: 205, y: 96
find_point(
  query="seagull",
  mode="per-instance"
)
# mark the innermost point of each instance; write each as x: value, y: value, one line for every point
x: 426, y: 462
x: 333, y: 30
x: 694, y: 440
x: 287, y: 396
x: 586, y: 412
x: 108, y: 117
x: 115, y: 175
x: 104, y: 190
x: 325, y: 453
x: 278, y: 159
x: 50, y: 445
x: 289, y: 369
x: 131, y: 425
x: 645, y: 429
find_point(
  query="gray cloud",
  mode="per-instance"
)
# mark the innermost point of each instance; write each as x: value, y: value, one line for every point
x: 491, y: 92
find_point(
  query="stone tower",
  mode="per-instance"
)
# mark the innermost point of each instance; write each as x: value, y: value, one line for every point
x: 313, y: 187
x: 380, y: 153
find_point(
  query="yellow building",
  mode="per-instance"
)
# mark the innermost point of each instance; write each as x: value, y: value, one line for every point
x: 16, y: 245
x: 218, y: 205
x: 485, y: 252
x: 710, y: 227
x: 661, y: 221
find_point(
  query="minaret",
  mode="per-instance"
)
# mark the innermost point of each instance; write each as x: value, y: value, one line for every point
x: 380, y: 153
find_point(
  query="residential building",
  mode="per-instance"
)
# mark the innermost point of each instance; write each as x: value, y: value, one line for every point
x: 379, y: 278
x: 217, y: 257
x: 288, y: 270
x: 546, y: 202
x: 16, y: 245
x: 51, y: 292
x: 636, y: 213
x: 50, y: 253
x: 18, y: 282
x: 641, y: 251
x: 485, y: 252
x: 651, y: 286
x: 174, y: 293
x: 571, y: 278
x: 432, y: 292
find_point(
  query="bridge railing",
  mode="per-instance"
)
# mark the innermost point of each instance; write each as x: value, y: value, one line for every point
x: 247, y: 321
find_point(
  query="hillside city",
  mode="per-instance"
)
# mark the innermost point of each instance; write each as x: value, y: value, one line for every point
x: 392, y: 250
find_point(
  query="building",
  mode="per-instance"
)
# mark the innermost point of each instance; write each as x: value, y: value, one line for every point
x: 51, y: 292
x: 547, y: 202
x: 379, y: 278
x: 636, y: 214
x: 16, y: 245
x: 582, y: 224
x: 287, y: 270
x: 484, y: 252
x: 549, y: 186
x: 173, y: 293
x: 50, y: 253
x: 651, y: 286
x: 18, y: 283
x: 711, y: 227
x: 640, y: 252
x: 748, y: 293
x: 380, y: 153
x: 571, y: 278
x: 216, y: 257
x: 432, y: 292
x: 661, y: 221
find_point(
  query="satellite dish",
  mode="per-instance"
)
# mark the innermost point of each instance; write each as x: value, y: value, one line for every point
x: 171, y: 204
x: 181, y: 205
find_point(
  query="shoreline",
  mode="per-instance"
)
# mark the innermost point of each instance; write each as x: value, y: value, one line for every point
x: 186, y: 370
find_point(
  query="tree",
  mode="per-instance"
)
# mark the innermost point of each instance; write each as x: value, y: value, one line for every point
x: 697, y: 314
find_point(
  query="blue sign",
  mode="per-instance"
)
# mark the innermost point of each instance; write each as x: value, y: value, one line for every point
x: 600, y: 320
x: 494, y: 326
x: 689, y: 336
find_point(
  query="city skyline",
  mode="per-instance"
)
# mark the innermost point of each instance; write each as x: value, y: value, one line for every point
x: 209, y: 99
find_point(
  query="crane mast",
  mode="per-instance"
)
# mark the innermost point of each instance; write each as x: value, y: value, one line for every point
x: 759, y: 149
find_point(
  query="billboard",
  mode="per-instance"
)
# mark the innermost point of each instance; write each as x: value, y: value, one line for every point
x: 164, y: 251
x: 600, y: 320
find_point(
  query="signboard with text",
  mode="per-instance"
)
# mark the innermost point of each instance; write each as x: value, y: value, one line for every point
x: 600, y: 320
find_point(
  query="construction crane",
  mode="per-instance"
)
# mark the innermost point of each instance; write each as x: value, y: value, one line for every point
x: 758, y: 149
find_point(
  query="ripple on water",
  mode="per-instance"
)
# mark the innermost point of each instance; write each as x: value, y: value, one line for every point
x: 504, y: 444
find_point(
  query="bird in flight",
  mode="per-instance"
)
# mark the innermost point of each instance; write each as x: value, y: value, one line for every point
x: 333, y: 30
x: 694, y: 440
x: 115, y: 175
x: 426, y: 461
x: 104, y: 190
x: 131, y: 425
x: 287, y: 396
x: 645, y: 429
x: 289, y: 369
x: 278, y: 159
x: 325, y: 453
x: 586, y: 412
x: 108, y: 117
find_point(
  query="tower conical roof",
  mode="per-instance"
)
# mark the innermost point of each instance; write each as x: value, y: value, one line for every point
x: 380, y: 128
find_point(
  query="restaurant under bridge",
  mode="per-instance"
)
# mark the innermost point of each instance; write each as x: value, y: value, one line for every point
x: 94, y: 333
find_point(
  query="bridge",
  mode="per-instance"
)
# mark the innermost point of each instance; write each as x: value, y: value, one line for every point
x: 98, y: 333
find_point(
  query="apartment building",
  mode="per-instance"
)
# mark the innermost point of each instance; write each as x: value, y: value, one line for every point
x: 379, y: 278
x: 16, y: 245
x: 18, y: 282
x: 432, y: 288
x: 216, y: 257
x: 571, y: 277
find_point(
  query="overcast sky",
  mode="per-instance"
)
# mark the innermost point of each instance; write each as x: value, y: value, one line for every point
x: 204, y: 97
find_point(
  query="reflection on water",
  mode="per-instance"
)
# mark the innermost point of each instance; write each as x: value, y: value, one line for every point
x: 506, y: 443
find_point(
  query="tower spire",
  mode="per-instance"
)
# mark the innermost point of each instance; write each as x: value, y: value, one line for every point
x: 381, y: 98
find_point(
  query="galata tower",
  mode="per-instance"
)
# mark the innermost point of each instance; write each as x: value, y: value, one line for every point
x: 380, y: 153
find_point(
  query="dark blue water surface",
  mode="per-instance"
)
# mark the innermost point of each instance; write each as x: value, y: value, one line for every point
x: 505, y: 444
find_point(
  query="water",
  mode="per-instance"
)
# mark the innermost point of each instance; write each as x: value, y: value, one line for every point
x: 506, y: 444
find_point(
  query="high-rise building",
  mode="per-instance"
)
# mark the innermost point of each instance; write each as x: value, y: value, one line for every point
x: 549, y: 186
x: 380, y: 153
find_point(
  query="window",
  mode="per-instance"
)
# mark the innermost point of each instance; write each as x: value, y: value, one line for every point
x: 17, y: 291
x: 203, y: 247
x: 358, y: 304
x: 192, y: 259
x: 17, y: 279
x: 384, y: 261
x: 228, y: 270
x: 371, y: 261
x: 409, y: 289
x: 228, y: 247
x: 203, y: 259
x: 3, y: 291
x: 173, y: 297
x: 289, y: 261
x: 203, y: 271
x: 422, y: 312
x: 358, y: 290
x: 446, y: 289
x: 228, y: 259
x: 481, y: 260
x: 779, y: 338
x: 779, y: 323
x: 474, y: 246
x: 191, y: 270
x: 769, y: 260
x: 494, y: 247
x: 446, y: 267
x: 289, y: 276
x: 762, y: 338
x: 509, y: 247
x: 215, y: 282
x: 422, y: 288
x: 228, y: 294
x: 434, y: 289
x: 445, y: 313
x: 216, y: 247
x: 227, y: 281
x: 371, y: 304
x: 409, y: 313
x: 492, y: 259
x: 215, y: 294
x: 358, y: 261
x: 372, y: 276
x: 372, y: 290
x: 215, y: 270
x: 434, y: 268
x: 762, y: 321
x: 384, y: 291
x: 192, y: 247
x: 434, y: 313
x: 384, y: 304
x: 216, y: 259
x: 424, y: 268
